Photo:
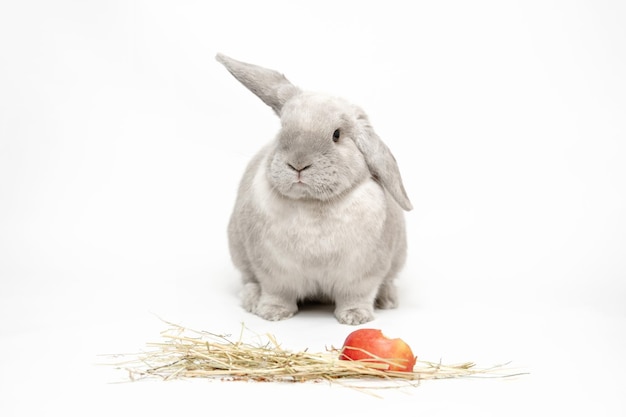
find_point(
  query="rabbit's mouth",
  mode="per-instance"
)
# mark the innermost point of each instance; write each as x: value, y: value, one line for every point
x: 300, y: 189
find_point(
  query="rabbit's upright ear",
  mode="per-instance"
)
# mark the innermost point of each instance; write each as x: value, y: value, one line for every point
x: 270, y: 86
x: 381, y: 162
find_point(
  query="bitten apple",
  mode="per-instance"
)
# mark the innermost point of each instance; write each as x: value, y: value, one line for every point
x: 371, y: 344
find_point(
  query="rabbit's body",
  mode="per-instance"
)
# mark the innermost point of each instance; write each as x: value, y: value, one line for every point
x: 312, y: 221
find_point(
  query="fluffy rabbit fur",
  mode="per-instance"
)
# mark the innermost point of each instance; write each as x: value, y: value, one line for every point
x: 319, y: 211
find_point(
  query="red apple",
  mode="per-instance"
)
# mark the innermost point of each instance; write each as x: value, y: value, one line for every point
x: 371, y: 344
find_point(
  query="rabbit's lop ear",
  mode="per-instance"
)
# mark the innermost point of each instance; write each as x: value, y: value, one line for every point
x: 270, y: 86
x: 381, y: 162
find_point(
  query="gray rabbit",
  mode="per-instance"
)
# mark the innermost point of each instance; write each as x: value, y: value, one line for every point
x: 319, y: 211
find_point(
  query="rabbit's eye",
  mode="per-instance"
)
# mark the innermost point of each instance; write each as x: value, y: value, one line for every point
x: 336, y: 135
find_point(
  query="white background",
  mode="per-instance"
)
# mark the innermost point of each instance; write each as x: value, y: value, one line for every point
x: 122, y: 142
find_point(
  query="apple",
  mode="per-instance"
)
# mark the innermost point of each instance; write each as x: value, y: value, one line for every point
x: 371, y: 345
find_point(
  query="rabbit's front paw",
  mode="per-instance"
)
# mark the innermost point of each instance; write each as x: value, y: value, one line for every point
x: 355, y: 316
x: 275, y: 312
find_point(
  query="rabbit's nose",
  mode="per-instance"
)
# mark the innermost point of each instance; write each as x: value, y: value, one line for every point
x: 298, y: 168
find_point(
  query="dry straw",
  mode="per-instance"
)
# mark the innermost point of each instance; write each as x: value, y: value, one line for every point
x: 186, y: 353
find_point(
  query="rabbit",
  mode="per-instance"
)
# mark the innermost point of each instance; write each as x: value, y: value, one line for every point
x: 319, y: 212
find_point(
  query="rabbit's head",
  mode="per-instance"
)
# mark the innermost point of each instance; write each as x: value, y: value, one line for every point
x: 326, y: 145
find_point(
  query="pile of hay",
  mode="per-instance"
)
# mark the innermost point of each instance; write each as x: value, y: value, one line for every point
x: 186, y: 353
